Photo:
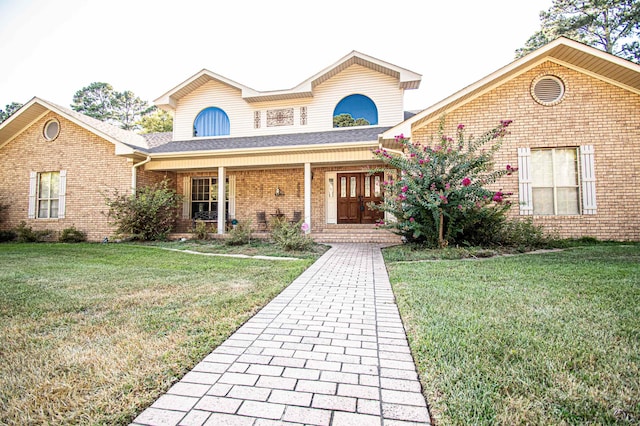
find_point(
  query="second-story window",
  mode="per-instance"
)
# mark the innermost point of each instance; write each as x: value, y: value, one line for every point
x: 211, y: 121
x: 355, y: 110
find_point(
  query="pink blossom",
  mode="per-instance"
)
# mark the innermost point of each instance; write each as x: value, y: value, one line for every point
x: 459, y: 206
x: 402, y: 197
x: 505, y: 123
x: 304, y: 227
x: 466, y: 181
x: 411, y: 219
x: 447, y: 185
x: 433, y: 187
x: 444, y: 199
x: 460, y: 126
x: 405, y: 188
x: 497, y: 197
x: 421, y: 161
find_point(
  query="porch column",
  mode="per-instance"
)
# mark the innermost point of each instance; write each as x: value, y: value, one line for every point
x: 307, y: 195
x: 221, y: 200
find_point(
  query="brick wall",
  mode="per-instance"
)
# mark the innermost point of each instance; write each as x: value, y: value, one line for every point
x: 593, y: 112
x: 92, y: 168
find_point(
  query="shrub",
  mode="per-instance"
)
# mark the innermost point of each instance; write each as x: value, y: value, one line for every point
x: 524, y: 235
x: 7, y: 235
x: 240, y: 234
x: 148, y: 215
x: 26, y: 234
x: 72, y: 235
x: 440, y: 196
x: 201, y: 231
x: 289, y: 236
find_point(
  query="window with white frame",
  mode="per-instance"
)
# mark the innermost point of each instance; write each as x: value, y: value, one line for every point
x: 204, y: 195
x: 47, y: 195
x: 556, y: 181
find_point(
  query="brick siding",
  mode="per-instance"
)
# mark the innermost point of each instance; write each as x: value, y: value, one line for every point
x: 593, y: 112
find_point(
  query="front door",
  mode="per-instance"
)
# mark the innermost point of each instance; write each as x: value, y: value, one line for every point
x: 355, y: 192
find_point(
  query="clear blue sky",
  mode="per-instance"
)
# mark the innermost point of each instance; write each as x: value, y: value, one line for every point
x: 52, y: 48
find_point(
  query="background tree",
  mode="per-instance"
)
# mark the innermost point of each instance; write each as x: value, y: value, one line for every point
x: 8, y: 110
x: 156, y: 121
x: 99, y: 100
x: 346, y: 120
x: 609, y: 25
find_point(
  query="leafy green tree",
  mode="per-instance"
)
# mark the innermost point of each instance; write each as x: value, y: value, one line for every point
x: 99, y: 100
x: 440, y: 196
x: 156, y: 121
x: 96, y: 100
x: 609, y: 25
x: 8, y: 110
x: 346, y: 120
x: 149, y: 214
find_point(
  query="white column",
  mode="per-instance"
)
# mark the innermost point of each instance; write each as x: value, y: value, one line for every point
x: 307, y: 195
x: 221, y: 200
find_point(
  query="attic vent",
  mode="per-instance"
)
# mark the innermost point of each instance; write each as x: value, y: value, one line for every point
x: 547, y: 90
x: 51, y: 130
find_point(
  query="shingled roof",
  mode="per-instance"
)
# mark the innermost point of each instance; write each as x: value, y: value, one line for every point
x: 336, y: 136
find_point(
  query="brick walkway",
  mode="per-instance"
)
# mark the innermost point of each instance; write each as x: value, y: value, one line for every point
x: 329, y: 350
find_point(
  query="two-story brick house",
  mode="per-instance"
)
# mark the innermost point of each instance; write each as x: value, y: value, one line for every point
x: 575, y: 135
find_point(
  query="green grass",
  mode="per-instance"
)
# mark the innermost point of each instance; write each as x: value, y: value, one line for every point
x: 255, y: 248
x: 92, y: 334
x: 551, y: 338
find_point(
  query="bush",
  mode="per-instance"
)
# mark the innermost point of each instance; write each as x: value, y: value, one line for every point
x: 72, y: 235
x: 6, y: 236
x: 201, y: 231
x: 440, y: 196
x: 289, y: 236
x: 523, y: 234
x: 148, y: 215
x: 240, y: 234
x: 26, y: 234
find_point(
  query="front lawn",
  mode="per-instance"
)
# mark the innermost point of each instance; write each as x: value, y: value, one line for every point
x: 551, y: 338
x: 93, y: 333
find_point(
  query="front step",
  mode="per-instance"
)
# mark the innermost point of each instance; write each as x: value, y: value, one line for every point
x: 355, y: 234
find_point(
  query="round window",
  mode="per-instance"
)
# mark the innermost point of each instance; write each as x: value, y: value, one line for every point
x: 51, y: 130
x: 547, y: 90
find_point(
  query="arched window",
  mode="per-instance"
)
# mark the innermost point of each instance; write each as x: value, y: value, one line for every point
x: 211, y: 121
x: 360, y: 108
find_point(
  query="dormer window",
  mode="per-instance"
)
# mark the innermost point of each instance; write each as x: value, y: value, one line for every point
x: 355, y: 110
x: 211, y: 121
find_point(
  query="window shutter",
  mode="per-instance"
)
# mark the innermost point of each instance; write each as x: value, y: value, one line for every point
x: 524, y: 181
x: 33, y: 185
x: 62, y: 196
x: 588, y: 180
x: 186, y: 200
x: 232, y: 197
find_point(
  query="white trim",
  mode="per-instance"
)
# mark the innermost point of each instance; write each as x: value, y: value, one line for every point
x: 331, y: 197
x: 525, y: 196
x: 232, y: 197
x: 222, y: 200
x: 33, y: 185
x: 62, y: 196
x: 186, y: 194
x: 588, y: 179
x: 307, y: 195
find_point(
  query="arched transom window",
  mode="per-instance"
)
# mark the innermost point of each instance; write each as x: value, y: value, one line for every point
x: 211, y: 121
x: 355, y: 110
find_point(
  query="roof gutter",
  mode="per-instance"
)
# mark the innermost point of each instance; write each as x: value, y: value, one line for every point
x: 134, y: 180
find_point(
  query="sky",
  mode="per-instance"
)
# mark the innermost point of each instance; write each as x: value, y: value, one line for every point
x: 53, y: 48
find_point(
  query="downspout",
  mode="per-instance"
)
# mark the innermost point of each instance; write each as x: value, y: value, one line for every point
x: 134, y: 180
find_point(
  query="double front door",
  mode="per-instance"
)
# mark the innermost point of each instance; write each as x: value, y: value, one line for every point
x: 355, y: 192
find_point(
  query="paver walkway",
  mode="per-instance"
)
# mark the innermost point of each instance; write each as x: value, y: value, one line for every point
x: 329, y: 350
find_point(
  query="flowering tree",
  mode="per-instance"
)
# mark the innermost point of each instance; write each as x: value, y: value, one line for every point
x: 440, y: 195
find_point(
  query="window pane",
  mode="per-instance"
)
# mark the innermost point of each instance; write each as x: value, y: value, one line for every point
x: 376, y: 189
x: 542, y: 168
x: 565, y: 167
x: 45, y: 185
x: 568, y: 201
x: 542, y: 200
x: 43, y: 210
x: 54, y: 209
x: 352, y: 189
x: 214, y: 191
x: 343, y: 187
x: 367, y: 186
x: 55, y: 185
